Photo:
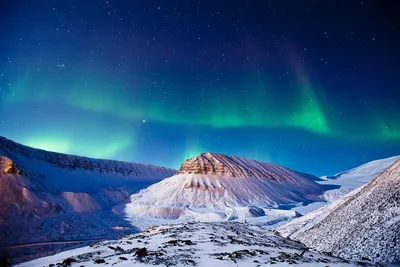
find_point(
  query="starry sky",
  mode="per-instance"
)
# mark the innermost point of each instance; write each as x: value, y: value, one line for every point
x: 312, y: 85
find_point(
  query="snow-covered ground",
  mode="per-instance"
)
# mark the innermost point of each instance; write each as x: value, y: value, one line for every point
x: 195, y: 244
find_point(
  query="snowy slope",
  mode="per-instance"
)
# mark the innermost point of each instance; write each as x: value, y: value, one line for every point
x: 298, y: 226
x: 195, y: 244
x: 47, y: 196
x: 341, y: 184
x: 356, y: 177
x: 212, y: 187
x: 365, y: 223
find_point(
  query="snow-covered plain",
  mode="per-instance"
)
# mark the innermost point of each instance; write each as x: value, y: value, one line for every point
x: 196, y: 244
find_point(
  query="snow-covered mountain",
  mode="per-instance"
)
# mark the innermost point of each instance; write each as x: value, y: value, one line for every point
x: 47, y: 196
x: 363, y: 224
x: 212, y: 187
x: 356, y: 177
x: 337, y: 186
x: 195, y: 244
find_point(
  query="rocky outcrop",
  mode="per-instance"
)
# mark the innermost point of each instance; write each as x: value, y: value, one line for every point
x: 9, y: 166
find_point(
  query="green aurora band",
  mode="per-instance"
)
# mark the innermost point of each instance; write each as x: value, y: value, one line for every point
x: 256, y: 103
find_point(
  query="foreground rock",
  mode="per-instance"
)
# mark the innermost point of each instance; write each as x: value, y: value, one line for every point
x: 196, y: 244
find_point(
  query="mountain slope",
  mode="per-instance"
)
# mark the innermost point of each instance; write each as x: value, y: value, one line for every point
x: 365, y: 223
x: 356, y: 177
x: 194, y: 244
x: 340, y: 185
x: 47, y: 196
x: 218, y: 187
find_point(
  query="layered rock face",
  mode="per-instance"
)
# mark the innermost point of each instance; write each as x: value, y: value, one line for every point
x: 232, y: 166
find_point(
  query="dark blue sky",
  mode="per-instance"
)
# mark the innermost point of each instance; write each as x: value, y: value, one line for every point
x: 312, y: 85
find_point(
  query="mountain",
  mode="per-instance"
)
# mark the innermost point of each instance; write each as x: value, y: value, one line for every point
x: 47, y: 196
x: 337, y: 186
x: 218, y: 187
x: 363, y: 224
x: 356, y: 177
x: 195, y: 244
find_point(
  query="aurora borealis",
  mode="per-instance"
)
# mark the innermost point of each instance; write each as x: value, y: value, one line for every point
x: 305, y: 84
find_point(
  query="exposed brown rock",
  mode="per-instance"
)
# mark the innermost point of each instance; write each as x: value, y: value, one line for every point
x: 232, y: 166
x: 11, y: 167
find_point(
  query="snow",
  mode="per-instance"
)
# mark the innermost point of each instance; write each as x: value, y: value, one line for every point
x: 200, y: 193
x: 63, y: 197
x: 350, y: 183
x: 215, y: 187
x: 347, y: 181
x: 355, y: 177
x: 196, y: 244
x: 363, y: 224
x: 47, y: 196
x: 81, y: 202
x: 294, y: 228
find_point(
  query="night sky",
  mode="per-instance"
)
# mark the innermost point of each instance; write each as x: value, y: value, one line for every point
x: 312, y: 85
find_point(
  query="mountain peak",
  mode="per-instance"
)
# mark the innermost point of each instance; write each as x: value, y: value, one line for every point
x: 211, y: 164
x: 214, y: 186
x: 231, y: 166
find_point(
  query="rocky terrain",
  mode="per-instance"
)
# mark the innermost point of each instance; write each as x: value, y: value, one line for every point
x: 47, y: 197
x: 364, y: 224
x: 196, y: 244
